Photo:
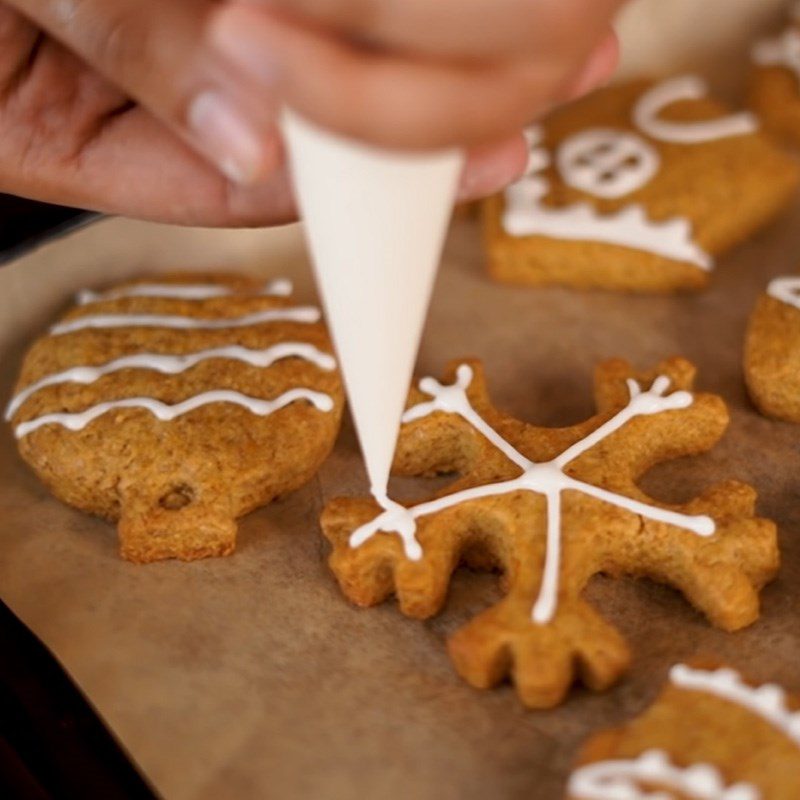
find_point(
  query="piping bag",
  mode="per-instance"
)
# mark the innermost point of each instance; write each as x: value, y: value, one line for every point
x: 375, y: 224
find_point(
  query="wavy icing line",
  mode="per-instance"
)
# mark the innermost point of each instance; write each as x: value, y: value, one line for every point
x: 526, y: 215
x: 306, y: 314
x: 767, y: 701
x: 781, y: 51
x: 786, y: 289
x: 280, y: 287
x: 175, y: 364
x: 547, y: 478
x: 165, y: 412
x: 617, y: 779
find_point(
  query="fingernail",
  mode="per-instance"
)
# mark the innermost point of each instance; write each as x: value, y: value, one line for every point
x: 598, y: 68
x: 492, y: 169
x: 238, y: 35
x: 226, y: 136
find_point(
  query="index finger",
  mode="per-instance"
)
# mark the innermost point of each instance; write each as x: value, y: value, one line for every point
x: 461, y: 28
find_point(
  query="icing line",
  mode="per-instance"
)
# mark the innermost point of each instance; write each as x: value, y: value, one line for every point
x: 688, y: 87
x: 617, y: 779
x: 174, y: 364
x: 767, y: 701
x: 526, y: 215
x: 781, y: 51
x: 281, y: 287
x: 307, y: 314
x: 165, y: 412
x: 786, y: 289
x: 545, y: 478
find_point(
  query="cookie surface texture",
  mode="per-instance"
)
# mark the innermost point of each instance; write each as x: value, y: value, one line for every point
x: 176, y: 405
x: 636, y: 188
x: 710, y: 735
x: 774, y: 88
x: 551, y: 508
x: 772, y: 350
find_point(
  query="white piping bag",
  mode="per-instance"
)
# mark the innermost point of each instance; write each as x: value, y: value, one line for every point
x: 375, y: 223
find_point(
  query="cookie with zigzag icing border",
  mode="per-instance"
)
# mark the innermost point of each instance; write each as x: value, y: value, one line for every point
x: 551, y: 508
x: 709, y: 735
x: 637, y: 187
x: 176, y: 405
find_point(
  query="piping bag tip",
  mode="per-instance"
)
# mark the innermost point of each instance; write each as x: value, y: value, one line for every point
x: 375, y: 224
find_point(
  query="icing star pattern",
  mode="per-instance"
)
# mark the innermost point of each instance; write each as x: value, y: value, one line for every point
x: 552, y: 508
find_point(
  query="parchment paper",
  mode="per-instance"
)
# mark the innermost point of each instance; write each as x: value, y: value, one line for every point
x: 252, y: 677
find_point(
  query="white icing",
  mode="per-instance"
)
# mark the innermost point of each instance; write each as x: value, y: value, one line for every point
x: 621, y: 779
x: 767, y: 701
x: 174, y: 364
x: 547, y: 479
x: 166, y: 412
x: 280, y: 287
x: 307, y: 314
x: 607, y: 163
x: 787, y: 290
x: 525, y: 214
x: 538, y: 157
x: 782, y: 51
x: 655, y: 100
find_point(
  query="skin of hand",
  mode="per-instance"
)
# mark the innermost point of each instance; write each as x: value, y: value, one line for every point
x: 166, y: 109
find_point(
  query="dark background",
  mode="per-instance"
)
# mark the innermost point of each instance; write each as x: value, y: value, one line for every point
x: 52, y: 743
x: 26, y: 223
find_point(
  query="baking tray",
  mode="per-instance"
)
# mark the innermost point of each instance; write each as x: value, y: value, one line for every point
x: 251, y: 676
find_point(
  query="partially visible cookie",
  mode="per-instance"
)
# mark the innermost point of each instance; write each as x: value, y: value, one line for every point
x: 551, y: 508
x: 177, y: 405
x: 772, y: 350
x: 710, y: 735
x: 775, y: 81
x: 637, y: 188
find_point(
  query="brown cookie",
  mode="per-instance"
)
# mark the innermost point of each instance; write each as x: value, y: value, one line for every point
x: 775, y: 81
x: 636, y: 188
x: 177, y: 405
x: 710, y: 735
x: 772, y: 351
x: 552, y: 508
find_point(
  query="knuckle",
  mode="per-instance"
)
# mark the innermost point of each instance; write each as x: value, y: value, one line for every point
x: 115, y: 36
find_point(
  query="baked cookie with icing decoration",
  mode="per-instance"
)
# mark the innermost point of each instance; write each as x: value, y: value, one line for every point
x: 772, y: 350
x: 177, y: 405
x: 710, y: 735
x: 775, y: 80
x: 636, y: 188
x: 551, y: 508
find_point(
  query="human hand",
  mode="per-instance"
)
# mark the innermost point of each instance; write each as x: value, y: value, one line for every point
x: 107, y: 105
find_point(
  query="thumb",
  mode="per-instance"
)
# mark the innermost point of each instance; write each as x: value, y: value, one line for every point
x: 157, y: 52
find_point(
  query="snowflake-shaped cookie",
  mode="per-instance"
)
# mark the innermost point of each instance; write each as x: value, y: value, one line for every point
x: 552, y: 508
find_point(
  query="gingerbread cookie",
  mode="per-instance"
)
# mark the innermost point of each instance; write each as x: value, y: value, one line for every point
x: 710, y: 735
x: 552, y: 508
x: 177, y: 406
x: 636, y: 188
x: 772, y: 351
x: 775, y: 81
